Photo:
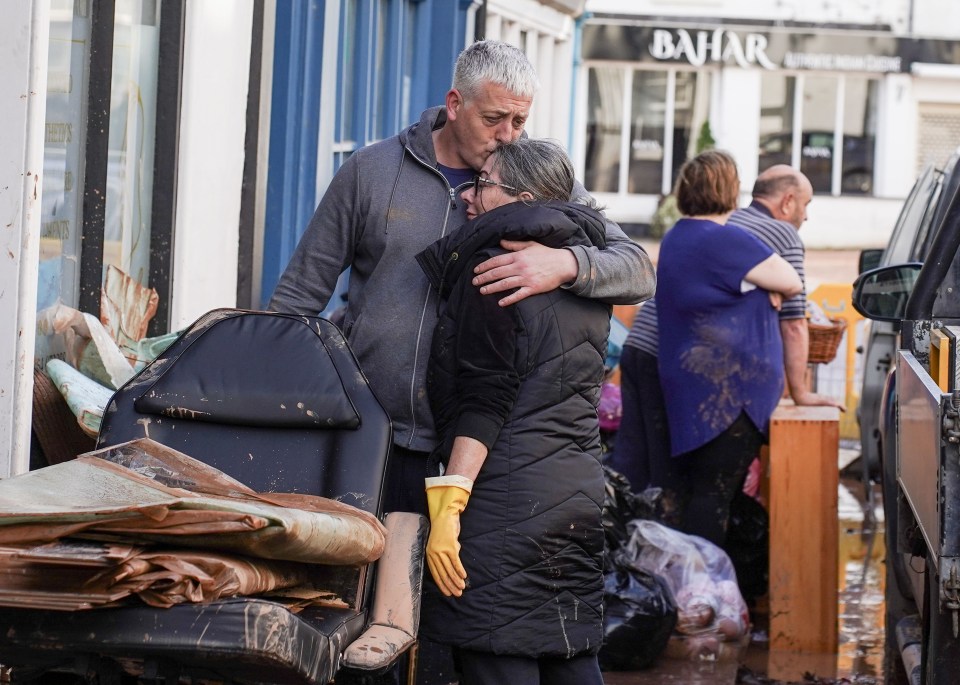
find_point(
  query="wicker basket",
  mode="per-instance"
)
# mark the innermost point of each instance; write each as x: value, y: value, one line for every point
x: 824, y: 341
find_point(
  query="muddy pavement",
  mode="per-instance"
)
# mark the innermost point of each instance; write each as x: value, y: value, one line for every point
x: 858, y: 659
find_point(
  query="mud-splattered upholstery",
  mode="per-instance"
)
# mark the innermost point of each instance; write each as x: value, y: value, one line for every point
x: 279, y: 375
x: 279, y: 403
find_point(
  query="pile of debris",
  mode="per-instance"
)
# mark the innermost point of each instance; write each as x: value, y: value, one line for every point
x: 141, y: 519
x: 88, y: 358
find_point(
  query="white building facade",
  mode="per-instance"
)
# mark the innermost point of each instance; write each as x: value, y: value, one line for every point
x: 187, y: 142
x: 858, y: 95
x: 546, y: 32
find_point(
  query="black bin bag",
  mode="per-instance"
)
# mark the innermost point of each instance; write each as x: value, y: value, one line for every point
x: 639, y: 614
x: 748, y: 545
x: 620, y: 506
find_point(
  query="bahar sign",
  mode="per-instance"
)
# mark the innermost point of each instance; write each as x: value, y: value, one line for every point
x: 719, y: 45
x: 748, y: 47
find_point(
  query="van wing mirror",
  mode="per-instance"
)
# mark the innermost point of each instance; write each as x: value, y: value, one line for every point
x: 882, y: 294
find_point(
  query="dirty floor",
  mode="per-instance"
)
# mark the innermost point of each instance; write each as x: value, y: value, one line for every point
x: 859, y: 656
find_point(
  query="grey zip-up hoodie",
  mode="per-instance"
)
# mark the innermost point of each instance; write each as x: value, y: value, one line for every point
x: 387, y: 203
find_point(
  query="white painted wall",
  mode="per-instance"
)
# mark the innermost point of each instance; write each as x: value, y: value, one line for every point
x: 936, y: 18
x: 23, y: 92
x: 549, y: 47
x: 896, y: 152
x: 211, y: 154
x: 736, y: 127
x: 836, y: 222
x: 942, y: 85
x: 849, y: 222
x: 894, y: 13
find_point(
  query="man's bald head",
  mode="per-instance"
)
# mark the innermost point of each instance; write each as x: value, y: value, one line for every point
x: 785, y: 191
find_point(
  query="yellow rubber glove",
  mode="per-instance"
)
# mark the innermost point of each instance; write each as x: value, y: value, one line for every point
x: 446, y: 499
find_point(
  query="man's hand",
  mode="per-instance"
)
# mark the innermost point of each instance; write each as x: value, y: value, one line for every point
x: 795, y: 352
x: 529, y: 267
x: 812, y: 399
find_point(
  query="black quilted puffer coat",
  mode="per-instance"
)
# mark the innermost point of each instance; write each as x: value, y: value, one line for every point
x: 525, y: 381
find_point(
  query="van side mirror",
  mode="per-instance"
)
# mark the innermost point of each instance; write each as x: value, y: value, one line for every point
x: 882, y: 294
x: 869, y: 259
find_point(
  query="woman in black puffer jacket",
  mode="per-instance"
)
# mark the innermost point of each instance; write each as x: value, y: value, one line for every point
x: 518, y: 584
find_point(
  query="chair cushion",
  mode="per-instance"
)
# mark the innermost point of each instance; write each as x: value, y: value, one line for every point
x: 274, y: 375
x: 245, y: 639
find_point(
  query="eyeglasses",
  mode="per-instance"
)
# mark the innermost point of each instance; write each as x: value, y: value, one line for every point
x: 480, y: 181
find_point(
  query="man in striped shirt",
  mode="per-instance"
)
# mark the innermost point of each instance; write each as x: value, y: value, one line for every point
x: 642, y: 452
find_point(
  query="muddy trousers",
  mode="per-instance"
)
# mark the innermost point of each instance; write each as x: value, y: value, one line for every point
x: 484, y: 668
x: 712, y: 476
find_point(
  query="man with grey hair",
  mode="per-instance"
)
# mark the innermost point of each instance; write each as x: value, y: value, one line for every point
x: 392, y: 199
x: 642, y: 451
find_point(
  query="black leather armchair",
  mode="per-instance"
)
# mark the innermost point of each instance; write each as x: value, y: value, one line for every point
x: 279, y: 403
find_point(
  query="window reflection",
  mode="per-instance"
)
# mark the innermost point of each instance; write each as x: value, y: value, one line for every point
x: 691, y: 111
x: 777, y: 94
x: 61, y: 206
x: 819, y: 117
x: 819, y: 134
x: 604, y: 120
x: 859, y: 135
x: 380, y: 126
x: 346, y: 135
x: 133, y: 106
x: 648, y: 102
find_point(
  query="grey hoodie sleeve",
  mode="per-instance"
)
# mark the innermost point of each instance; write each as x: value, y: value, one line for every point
x: 325, y: 249
x: 621, y: 273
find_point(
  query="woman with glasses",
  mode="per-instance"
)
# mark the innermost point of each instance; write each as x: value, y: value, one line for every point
x: 518, y: 583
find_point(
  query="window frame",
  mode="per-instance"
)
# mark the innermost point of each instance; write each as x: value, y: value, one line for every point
x: 96, y: 154
x: 629, y: 70
x: 840, y: 103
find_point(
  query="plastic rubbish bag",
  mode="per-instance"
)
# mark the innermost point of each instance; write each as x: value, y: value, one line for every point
x: 639, y: 615
x: 710, y: 609
x: 620, y: 506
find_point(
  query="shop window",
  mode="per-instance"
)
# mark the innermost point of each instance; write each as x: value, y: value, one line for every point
x: 859, y: 135
x: 604, y: 129
x: 133, y: 106
x: 647, y: 128
x: 666, y: 112
x: 834, y: 144
x: 61, y: 209
x: 380, y: 118
x: 346, y: 138
x: 818, y: 121
x: 103, y: 148
x: 691, y: 109
x: 376, y: 60
x: 776, y: 119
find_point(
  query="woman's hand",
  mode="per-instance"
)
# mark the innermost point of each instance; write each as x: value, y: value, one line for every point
x: 776, y: 299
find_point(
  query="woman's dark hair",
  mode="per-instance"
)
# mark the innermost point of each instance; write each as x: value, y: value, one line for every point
x: 540, y: 167
x: 708, y: 184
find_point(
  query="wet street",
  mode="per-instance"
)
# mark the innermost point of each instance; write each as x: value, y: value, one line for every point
x: 859, y: 654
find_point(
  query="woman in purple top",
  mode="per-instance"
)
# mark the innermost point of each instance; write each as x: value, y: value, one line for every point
x: 720, y: 353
